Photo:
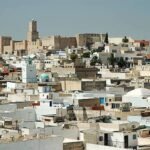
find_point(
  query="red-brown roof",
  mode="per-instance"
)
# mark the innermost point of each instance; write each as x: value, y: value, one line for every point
x: 145, y: 42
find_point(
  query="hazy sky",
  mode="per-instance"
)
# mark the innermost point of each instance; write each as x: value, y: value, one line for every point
x: 68, y: 17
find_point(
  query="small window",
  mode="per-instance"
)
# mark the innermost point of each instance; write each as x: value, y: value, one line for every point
x: 113, y: 106
x: 101, y: 138
x: 134, y: 136
x: 117, y: 105
x: 118, y: 118
x: 50, y: 103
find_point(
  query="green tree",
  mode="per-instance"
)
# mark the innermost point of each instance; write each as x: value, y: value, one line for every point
x: 93, y: 51
x: 112, y: 60
x: 100, y: 48
x: 86, y: 55
x: 121, y: 62
x: 95, y: 60
x: 106, y: 39
x: 99, y: 61
x: 73, y: 56
x: 125, y: 40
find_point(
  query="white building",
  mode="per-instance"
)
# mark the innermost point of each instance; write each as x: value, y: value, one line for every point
x: 119, y: 139
x: 140, y: 119
x: 98, y: 147
x: 118, y: 40
x: 139, y: 97
x: 28, y: 71
x: 112, y: 49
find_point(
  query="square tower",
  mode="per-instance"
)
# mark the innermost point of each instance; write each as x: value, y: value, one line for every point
x: 33, y: 34
x: 28, y: 71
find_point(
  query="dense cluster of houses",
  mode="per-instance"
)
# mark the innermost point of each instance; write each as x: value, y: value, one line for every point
x: 92, y: 95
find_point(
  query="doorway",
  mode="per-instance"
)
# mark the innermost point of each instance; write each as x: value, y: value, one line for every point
x: 105, y: 139
x: 126, y: 141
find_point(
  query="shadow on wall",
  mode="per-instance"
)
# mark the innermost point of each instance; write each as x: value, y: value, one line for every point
x: 70, y: 114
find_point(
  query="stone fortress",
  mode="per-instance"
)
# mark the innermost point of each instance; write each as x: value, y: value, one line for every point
x: 33, y: 43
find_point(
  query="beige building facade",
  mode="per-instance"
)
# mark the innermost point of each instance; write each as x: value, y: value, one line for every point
x: 34, y: 43
x: 85, y: 85
x: 58, y: 42
x: 4, y: 41
x: 77, y: 69
x: 84, y: 39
